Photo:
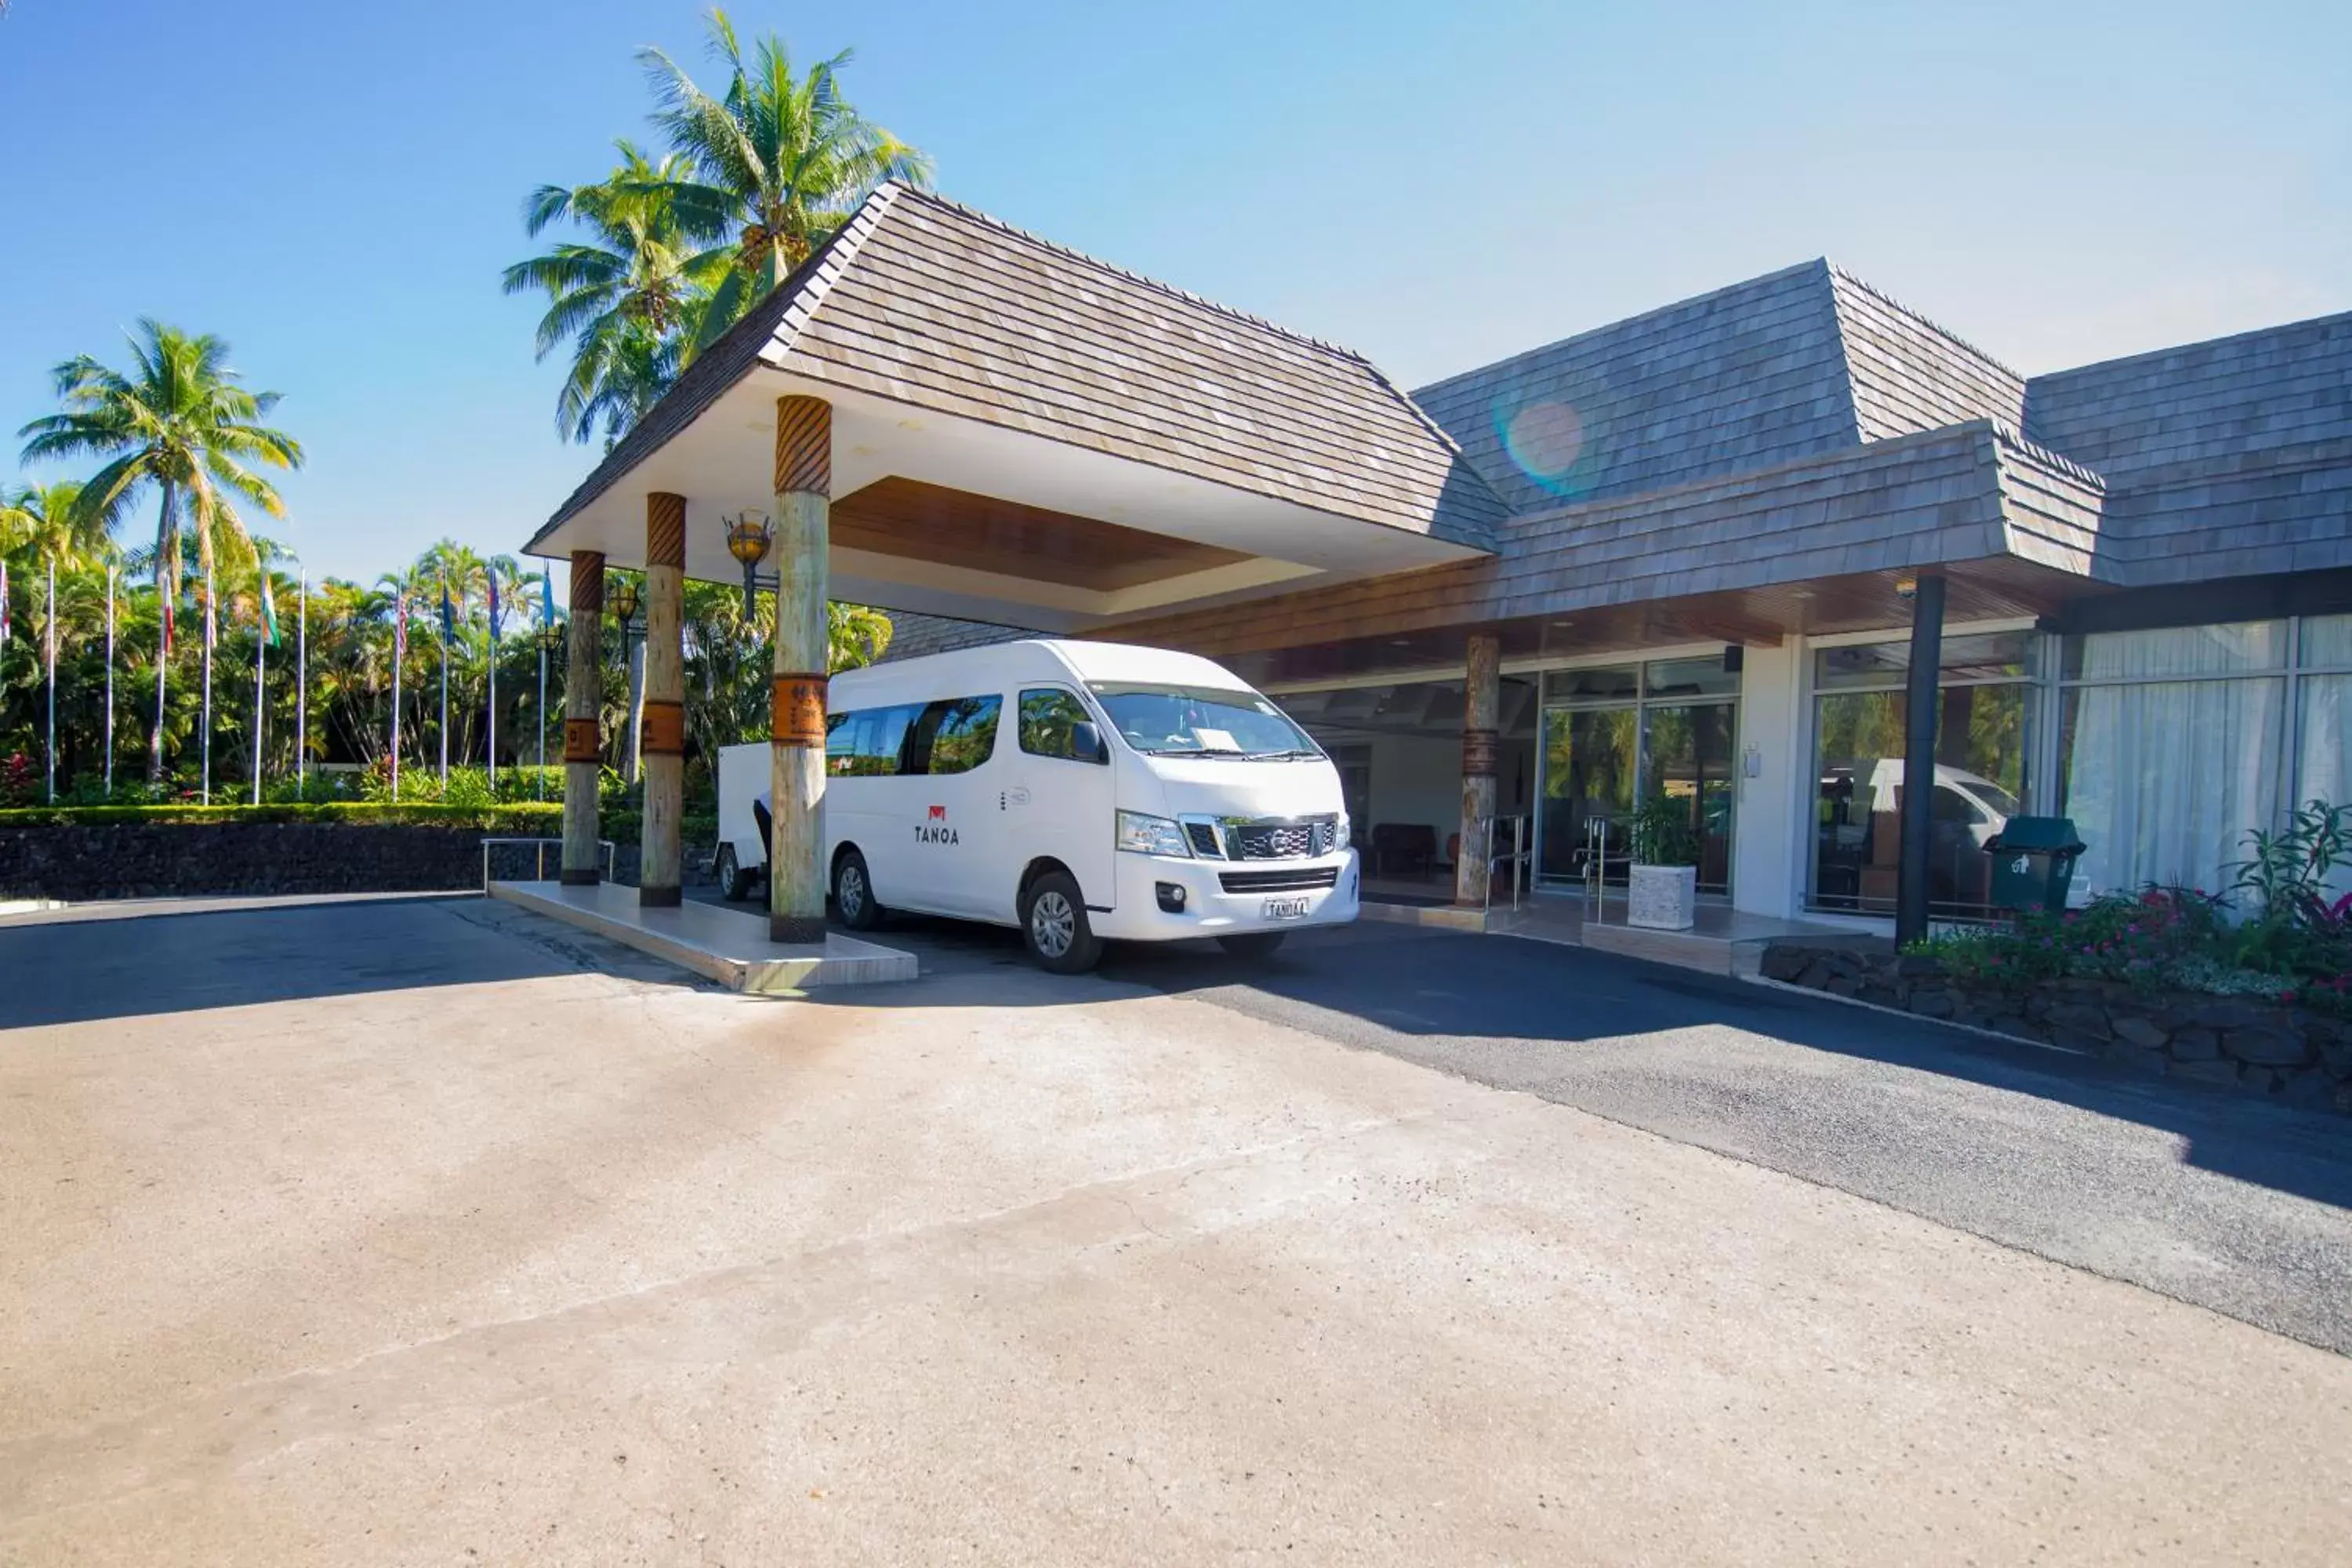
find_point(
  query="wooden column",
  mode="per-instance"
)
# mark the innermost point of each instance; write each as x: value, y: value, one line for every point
x: 797, y: 868
x: 1481, y: 707
x: 584, y: 690
x: 662, y: 732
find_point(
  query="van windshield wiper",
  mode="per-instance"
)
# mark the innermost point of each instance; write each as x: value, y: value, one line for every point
x: 1291, y: 755
x: 1195, y: 751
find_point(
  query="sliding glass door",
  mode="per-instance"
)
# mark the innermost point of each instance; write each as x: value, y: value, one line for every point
x: 1616, y: 735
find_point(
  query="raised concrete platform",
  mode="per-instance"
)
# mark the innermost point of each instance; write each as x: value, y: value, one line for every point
x: 726, y: 946
x: 1724, y: 940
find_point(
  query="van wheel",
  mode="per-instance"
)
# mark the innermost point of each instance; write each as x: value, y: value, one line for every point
x: 1252, y: 944
x: 1054, y: 925
x: 852, y: 892
x: 734, y: 882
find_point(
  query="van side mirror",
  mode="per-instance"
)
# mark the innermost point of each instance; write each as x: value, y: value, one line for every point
x: 1086, y: 743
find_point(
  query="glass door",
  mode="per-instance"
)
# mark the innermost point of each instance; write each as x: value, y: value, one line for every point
x: 1617, y: 734
x: 1591, y: 768
x: 1687, y: 756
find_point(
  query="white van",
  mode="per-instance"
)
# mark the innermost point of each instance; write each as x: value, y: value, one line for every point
x: 1077, y: 790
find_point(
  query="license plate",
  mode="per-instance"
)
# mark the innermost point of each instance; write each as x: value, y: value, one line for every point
x: 1284, y: 909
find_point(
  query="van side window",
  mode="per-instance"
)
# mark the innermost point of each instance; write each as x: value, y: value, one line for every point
x: 1047, y: 718
x: 865, y: 743
x: 952, y: 736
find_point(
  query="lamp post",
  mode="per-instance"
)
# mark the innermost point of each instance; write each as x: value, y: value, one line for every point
x: 622, y: 598
x: 749, y: 540
x: 551, y: 640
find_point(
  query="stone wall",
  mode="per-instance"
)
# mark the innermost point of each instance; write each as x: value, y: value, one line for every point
x: 145, y: 859
x: 2259, y: 1048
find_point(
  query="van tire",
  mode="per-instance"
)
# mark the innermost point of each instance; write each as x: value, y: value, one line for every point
x: 852, y: 892
x: 1054, y: 927
x: 1252, y: 944
x: 734, y: 882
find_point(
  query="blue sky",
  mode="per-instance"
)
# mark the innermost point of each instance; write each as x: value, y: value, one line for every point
x: 335, y: 188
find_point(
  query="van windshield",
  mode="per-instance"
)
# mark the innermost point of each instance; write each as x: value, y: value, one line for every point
x: 1188, y: 721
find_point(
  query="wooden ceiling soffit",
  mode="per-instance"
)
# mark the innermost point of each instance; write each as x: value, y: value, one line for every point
x: 918, y: 521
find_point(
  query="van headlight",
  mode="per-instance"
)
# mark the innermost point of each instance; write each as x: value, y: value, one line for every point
x: 1342, y: 830
x: 1143, y: 834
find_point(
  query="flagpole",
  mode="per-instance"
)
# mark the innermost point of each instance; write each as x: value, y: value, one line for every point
x: 302, y: 680
x: 542, y: 717
x: 260, y: 665
x: 494, y: 693
x: 399, y: 651
x: 109, y: 681
x: 53, y: 681
x: 208, y: 688
x: 445, y: 715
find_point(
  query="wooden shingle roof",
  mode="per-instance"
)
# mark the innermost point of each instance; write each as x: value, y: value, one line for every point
x: 932, y: 304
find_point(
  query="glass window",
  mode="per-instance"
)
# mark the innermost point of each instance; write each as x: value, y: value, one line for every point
x: 865, y: 743
x: 1680, y: 677
x: 1048, y: 719
x: 953, y: 736
x: 2176, y: 651
x: 1176, y: 721
x: 1985, y: 655
x: 1611, y: 683
x: 2163, y: 778
x: 1982, y: 734
x: 2326, y: 642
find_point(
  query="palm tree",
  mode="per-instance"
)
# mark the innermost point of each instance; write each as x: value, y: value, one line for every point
x: 856, y: 635
x: 781, y: 158
x: 625, y: 299
x: 181, y: 425
x: 44, y: 522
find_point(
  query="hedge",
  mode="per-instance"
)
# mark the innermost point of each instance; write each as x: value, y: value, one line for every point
x: 534, y: 818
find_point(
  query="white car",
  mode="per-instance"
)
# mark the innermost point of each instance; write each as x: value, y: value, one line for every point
x: 1079, y: 791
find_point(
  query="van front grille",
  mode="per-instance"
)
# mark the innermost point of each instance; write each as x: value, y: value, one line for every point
x: 1305, y: 877
x: 1295, y: 841
x: 1203, y: 836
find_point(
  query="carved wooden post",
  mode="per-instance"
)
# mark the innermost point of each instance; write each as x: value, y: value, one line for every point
x: 583, y: 690
x: 662, y: 733
x: 1482, y: 703
x: 797, y: 868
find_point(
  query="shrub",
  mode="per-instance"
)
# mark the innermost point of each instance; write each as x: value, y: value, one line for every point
x: 2159, y: 939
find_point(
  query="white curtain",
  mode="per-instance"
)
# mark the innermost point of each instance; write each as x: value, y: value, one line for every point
x: 2165, y: 777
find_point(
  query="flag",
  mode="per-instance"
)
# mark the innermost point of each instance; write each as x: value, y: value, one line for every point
x: 400, y: 629
x: 268, y: 610
x: 167, y: 624
x: 546, y: 599
x: 448, y: 615
x: 4, y: 604
x: 494, y: 607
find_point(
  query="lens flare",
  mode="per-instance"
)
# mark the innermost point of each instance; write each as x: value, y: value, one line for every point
x: 1545, y: 438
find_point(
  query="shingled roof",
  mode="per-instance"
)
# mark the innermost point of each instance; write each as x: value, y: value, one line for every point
x: 1793, y: 365
x: 929, y: 303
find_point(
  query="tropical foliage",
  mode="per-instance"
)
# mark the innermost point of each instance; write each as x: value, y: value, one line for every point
x: 2282, y: 930
x: 351, y: 648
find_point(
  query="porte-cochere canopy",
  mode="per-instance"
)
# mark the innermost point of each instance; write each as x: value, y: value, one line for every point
x: 1023, y: 433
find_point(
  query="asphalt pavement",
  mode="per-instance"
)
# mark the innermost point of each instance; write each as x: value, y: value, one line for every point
x: 2233, y: 1204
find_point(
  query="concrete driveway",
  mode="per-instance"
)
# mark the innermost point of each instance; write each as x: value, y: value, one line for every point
x: 390, y: 1232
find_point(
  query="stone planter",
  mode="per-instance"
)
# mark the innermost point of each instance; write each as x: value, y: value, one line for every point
x: 1663, y: 898
x: 2278, y: 1051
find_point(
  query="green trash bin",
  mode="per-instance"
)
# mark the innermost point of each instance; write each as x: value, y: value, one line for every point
x: 2033, y: 862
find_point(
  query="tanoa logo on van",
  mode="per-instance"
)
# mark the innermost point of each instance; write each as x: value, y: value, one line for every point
x: 934, y: 828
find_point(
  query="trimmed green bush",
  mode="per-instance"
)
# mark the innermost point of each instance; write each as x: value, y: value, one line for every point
x: 530, y: 820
